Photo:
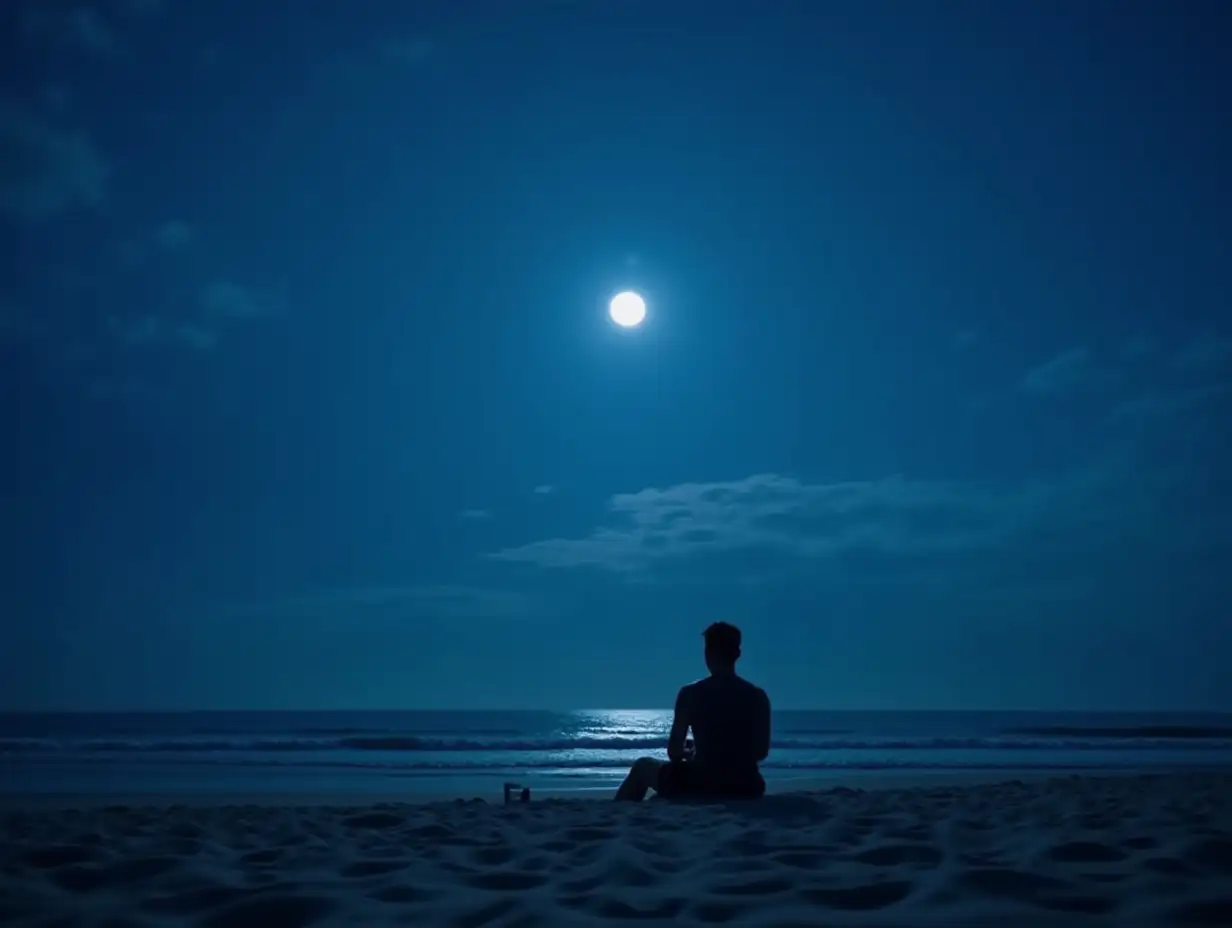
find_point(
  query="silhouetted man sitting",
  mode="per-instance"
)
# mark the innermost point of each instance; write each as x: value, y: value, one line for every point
x: 730, y: 719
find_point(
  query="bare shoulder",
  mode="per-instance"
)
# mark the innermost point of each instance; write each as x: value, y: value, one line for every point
x: 758, y: 693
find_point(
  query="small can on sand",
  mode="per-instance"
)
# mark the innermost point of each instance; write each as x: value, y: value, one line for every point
x: 523, y: 793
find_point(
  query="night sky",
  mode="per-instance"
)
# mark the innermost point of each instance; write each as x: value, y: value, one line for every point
x: 310, y: 398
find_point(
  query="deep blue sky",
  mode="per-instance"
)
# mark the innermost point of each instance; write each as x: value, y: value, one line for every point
x: 309, y: 398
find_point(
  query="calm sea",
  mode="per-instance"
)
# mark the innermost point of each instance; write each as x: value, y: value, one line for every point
x: 393, y: 752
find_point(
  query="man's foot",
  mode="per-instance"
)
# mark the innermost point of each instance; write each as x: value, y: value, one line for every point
x: 643, y: 777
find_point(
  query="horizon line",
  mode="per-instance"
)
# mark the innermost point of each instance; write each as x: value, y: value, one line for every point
x: 666, y: 709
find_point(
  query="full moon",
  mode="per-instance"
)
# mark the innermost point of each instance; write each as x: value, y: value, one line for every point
x: 627, y: 309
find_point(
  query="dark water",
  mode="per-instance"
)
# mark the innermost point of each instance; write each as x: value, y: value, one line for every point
x: 434, y: 751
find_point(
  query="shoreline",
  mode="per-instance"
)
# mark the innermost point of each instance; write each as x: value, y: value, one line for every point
x: 491, y: 793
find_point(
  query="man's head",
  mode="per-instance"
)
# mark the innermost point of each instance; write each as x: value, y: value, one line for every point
x: 722, y: 646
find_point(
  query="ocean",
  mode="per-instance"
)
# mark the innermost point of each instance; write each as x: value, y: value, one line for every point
x: 393, y: 753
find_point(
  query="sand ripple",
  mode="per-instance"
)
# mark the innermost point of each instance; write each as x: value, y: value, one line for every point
x: 1123, y: 851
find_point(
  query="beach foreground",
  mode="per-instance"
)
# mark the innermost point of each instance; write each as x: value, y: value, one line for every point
x: 1131, y: 850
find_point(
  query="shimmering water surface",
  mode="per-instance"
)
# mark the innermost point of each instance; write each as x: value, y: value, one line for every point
x: 397, y: 752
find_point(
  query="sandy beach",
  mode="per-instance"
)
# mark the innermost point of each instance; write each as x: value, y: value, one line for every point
x: 1131, y: 850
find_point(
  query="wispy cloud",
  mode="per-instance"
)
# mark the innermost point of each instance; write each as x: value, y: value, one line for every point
x: 194, y: 337
x: 1162, y: 405
x: 79, y: 28
x: 544, y: 489
x: 142, y: 7
x: 227, y: 299
x: 1058, y: 375
x: 45, y: 170
x: 966, y: 338
x: 148, y: 331
x: 136, y: 331
x: 1206, y: 354
x: 1189, y: 379
x: 1139, y: 346
x: 475, y: 515
x: 407, y: 50
x: 774, y: 513
x: 174, y: 235
x: 17, y: 323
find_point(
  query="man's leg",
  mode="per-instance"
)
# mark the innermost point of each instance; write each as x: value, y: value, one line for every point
x: 643, y: 776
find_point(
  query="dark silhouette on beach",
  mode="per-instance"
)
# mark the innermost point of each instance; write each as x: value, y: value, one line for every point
x: 730, y: 721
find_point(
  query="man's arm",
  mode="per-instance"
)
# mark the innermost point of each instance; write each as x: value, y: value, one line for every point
x: 680, y: 727
x: 761, y: 736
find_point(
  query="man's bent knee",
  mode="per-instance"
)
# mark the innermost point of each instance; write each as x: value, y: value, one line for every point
x: 646, y: 767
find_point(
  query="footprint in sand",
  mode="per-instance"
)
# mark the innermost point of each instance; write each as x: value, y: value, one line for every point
x: 372, y: 867
x: 1079, y: 904
x: 493, y: 856
x: 373, y: 820
x: 1208, y: 913
x: 506, y: 881
x: 804, y: 860
x: 615, y: 909
x: 717, y: 913
x: 588, y: 834
x: 1211, y: 854
x: 896, y: 855
x: 1167, y: 866
x: 1036, y: 889
x: 584, y: 885
x: 626, y: 873
x: 1014, y: 884
x: 402, y: 894
x: 766, y: 887
x: 430, y: 833
x: 196, y: 900
x: 87, y: 878
x: 264, y: 857
x: 55, y: 856
x: 860, y: 898
x: 268, y: 911
x: 486, y: 915
x: 1086, y: 852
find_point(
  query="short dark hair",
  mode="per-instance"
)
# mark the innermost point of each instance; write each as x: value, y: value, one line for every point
x: 723, y: 640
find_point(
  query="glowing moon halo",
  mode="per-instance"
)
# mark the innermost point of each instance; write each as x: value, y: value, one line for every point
x: 627, y: 309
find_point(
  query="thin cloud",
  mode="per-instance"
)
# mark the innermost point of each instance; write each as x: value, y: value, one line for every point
x: 230, y: 300
x: 407, y: 50
x: 544, y: 489
x: 1058, y: 375
x: 17, y: 323
x: 475, y: 515
x: 1206, y: 354
x: 136, y: 331
x: 1137, y: 347
x: 965, y: 339
x: 195, y: 337
x: 45, y: 171
x: 174, y: 235
x: 150, y: 331
x: 784, y: 516
x: 142, y: 7
x: 79, y: 28
x: 1161, y: 405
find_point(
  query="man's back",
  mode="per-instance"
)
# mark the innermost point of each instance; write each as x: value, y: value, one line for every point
x: 730, y: 718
